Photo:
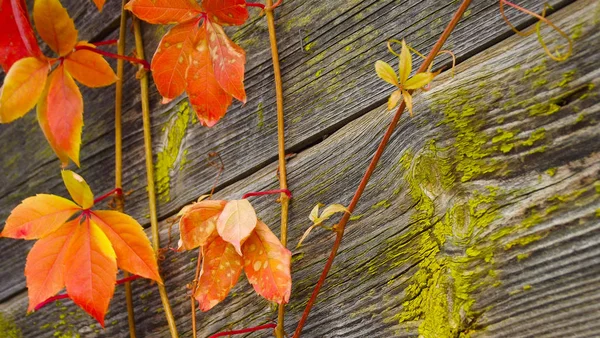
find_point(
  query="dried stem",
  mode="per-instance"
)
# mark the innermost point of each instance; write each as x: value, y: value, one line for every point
x: 120, y: 203
x: 139, y: 46
x: 285, y: 201
x: 339, y: 228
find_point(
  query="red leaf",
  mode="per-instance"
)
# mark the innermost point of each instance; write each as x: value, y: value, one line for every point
x: 207, y: 97
x: 55, y: 26
x: 228, y: 61
x: 60, y: 113
x: 199, y: 222
x: 38, y: 216
x: 267, y: 264
x: 164, y: 11
x: 91, y: 270
x: 236, y: 222
x: 17, y: 40
x: 221, y: 268
x: 171, y: 60
x: 44, y: 268
x: 132, y: 247
x: 231, y: 12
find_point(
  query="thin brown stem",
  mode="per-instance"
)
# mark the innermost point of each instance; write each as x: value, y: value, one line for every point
x: 120, y: 203
x: 139, y: 46
x: 285, y: 201
x: 340, y: 227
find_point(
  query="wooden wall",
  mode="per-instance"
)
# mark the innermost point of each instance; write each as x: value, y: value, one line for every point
x: 481, y: 220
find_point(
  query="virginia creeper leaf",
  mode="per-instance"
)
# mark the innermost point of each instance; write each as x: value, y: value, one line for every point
x: 55, y: 26
x: 44, y: 268
x: 228, y: 61
x: 208, y: 99
x: 78, y: 189
x: 317, y: 220
x: 267, y: 265
x: 418, y: 80
x: 226, y: 12
x: 91, y: 270
x: 89, y: 68
x: 17, y: 40
x: 22, y: 87
x: 132, y: 247
x: 38, y: 216
x: 99, y: 4
x: 60, y: 114
x: 408, y: 101
x: 394, y: 99
x: 171, y: 60
x: 164, y: 11
x: 221, y: 269
x: 405, y: 67
x: 236, y: 222
x: 386, y: 72
x: 199, y: 222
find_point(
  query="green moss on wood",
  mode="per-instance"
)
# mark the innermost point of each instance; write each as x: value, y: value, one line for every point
x: 8, y: 328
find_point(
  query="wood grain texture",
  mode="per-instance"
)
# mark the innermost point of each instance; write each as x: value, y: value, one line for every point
x: 327, y: 54
x: 488, y: 198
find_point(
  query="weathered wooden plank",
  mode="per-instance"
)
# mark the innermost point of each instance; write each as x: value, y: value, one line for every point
x: 463, y: 229
x: 344, y: 40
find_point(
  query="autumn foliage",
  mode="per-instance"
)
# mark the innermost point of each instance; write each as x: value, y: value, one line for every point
x: 78, y: 248
x: 196, y: 56
x: 232, y: 239
x: 48, y: 82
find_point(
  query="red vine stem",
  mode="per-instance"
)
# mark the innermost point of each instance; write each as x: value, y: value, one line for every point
x: 117, y: 191
x: 268, y: 192
x: 339, y: 228
x: 105, y: 42
x: 66, y: 295
x: 255, y: 4
x: 250, y: 329
x: 115, y: 56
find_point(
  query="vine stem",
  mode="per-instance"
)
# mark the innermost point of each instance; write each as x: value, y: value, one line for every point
x: 248, y: 330
x: 120, y: 202
x: 284, y: 198
x: 139, y: 47
x: 193, y: 292
x: 340, y: 227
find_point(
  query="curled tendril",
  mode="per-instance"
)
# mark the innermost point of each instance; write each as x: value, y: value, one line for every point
x: 556, y: 55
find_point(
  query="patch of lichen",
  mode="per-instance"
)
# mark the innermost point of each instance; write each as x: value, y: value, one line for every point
x: 171, y: 152
x: 8, y: 328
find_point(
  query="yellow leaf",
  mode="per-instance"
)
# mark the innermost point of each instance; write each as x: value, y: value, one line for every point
x: 78, y: 189
x: 22, y: 88
x: 386, y: 72
x: 314, y: 214
x: 55, y: 26
x: 408, y: 101
x: 405, y: 63
x: 418, y: 81
x: 331, y: 210
x: 394, y: 98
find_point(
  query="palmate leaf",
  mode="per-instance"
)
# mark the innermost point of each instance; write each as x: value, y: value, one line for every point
x: 22, y: 87
x: 164, y: 11
x: 55, y: 26
x: 198, y: 223
x: 226, y: 12
x: 89, y: 68
x: 17, y: 40
x: 236, y: 222
x: 81, y: 254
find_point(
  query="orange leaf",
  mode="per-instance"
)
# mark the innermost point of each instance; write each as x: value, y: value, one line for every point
x: 22, y: 88
x: 207, y: 97
x: 44, y: 268
x: 38, y: 216
x: 228, y: 61
x: 221, y: 268
x: 55, y: 26
x: 78, y: 189
x: 236, y: 222
x: 171, y: 59
x: 90, y: 68
x: 199, y: 222
x: 99, y: 4
x: 232, y: 12
x: 164, y: 11
x: 267, y: 264
x: 134, y: 253
x: 90, y: 270
x: 60, y: 113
